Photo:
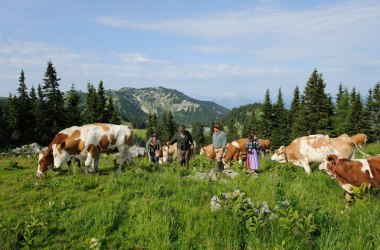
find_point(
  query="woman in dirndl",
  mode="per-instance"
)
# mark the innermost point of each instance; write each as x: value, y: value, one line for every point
x: 252, y: 148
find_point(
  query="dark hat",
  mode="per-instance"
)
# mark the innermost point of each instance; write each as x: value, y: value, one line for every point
x: 154, y: 135
x: 217, y: 125
x: 181, y: 128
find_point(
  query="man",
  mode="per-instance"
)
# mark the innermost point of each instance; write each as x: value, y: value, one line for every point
x: 153, y: 147
x: 219, y: 143
x: 185, y: 145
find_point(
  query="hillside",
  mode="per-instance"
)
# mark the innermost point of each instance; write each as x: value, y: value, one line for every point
x: 137, y: 103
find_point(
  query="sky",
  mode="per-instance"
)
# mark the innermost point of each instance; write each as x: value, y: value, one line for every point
x: 226, y: 50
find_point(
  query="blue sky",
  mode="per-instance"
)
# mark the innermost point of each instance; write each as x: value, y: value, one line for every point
x: 209, y: 50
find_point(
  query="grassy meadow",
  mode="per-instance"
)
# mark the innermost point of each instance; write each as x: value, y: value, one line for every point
x: 159, y: 207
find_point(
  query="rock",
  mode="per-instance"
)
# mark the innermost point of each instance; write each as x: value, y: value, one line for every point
x: 215, y: 204
x: 230, y: 172
x: 212, y: 175
x: 30, y: 149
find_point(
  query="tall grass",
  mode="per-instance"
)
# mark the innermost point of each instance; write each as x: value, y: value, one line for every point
x: 157, y: 207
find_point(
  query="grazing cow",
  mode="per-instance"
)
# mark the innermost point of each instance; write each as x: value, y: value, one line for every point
x: 46, y: 160
x: 360, y: 139
x: 207, y: 150
x: 304, y: 150
x: 89, y: 140
x: 353, y: 173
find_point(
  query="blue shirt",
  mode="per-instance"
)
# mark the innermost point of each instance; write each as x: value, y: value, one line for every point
x: 219, y: 140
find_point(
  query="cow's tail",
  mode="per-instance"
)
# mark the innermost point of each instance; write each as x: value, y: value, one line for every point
x: 364, y: 154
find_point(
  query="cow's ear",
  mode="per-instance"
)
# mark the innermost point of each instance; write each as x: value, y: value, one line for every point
x: 332, y: 159
x: 63, y: 144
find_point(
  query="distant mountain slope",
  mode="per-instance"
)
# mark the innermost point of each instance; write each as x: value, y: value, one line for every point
x: 137, y: 103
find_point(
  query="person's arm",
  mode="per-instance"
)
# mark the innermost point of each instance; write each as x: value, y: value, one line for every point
x: 158, y: 144
x: 173, y: 140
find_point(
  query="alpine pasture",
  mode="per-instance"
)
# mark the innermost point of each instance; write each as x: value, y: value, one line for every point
x: 165, y: 207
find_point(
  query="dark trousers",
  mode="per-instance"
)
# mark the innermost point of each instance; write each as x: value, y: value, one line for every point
x: 183, y: 157
x: 153, y: 157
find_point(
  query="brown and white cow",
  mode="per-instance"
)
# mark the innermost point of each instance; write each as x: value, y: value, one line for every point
x: 314, y: 148
x: 46, y: 160
x: 360, y: 139
x: 90, y: 140
x: 353, y: 173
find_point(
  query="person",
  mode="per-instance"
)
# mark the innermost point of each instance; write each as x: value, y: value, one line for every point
x: 252, y: 148
x: 219, y: 144
x: 185, y: 145
x: 153, y: 147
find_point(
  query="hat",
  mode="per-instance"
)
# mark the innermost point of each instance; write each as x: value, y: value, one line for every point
x: 181, y: 128
x: 217, y: 125
x: 154, y: 135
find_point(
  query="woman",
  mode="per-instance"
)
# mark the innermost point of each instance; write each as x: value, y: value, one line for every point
x: 252, y: 149
x: 152, y: 147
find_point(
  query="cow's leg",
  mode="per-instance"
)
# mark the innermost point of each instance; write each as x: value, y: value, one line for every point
x: 69, y: 166
x: 305, y: 166
x: 95, y: 164
x: 124, y: 156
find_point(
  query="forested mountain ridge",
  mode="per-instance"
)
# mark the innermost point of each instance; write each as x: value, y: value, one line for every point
x: 136, y: 104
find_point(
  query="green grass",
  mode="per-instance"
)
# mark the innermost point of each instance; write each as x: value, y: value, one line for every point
x: 155, y: 207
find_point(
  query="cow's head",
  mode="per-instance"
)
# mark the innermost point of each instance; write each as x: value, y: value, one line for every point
x: 45, y: 161
x: 60, y: 154
x: 329, y: 163
x: 279, y: 155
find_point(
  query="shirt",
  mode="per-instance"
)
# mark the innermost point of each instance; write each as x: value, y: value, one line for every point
x: 219, y: 140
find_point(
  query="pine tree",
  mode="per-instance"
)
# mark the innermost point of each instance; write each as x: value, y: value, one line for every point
x: 355, y: 113
x: 41, y: 133
x: 24, y: 117
x: 317, y: 105
x: 232, y: 133
x: 368, y: 118
x: 280, y: 128
x: 198, y: 134
x: 342, y: 106
x: 252, y: 126
x: 112, y: 116
x: 267, y: 116
x: 295, y: 105
x: 375, y: 109
x: 4, y: 138
x: 152, y: 126
x: 11, y: 118
x: 91, y: 110
x: 54, y: 107
x: 300, y: 125
x: 73, y: 115
x: 102, y: 102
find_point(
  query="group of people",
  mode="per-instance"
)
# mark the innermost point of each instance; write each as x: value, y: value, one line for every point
x: 185, y: 146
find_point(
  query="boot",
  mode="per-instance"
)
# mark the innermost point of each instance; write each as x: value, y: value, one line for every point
x: 220, y: 166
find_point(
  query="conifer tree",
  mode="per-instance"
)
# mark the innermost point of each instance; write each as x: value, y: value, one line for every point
x: 4, y: 138
x: 317, y: 105
x: 267, y: 116
x: 355, y: 113
x: 375, y: 109
x: 300, y: 125
x: 232, y: 133
x: 102, y: 102
x: 54, y: 108
x: 295, y: 105
x: 73, y: 115
x: 112, y: 114
x: 280, y: 128
x: 198, y: 134
x: 368, y: 118
x: 152, y: 126
x: 342, y: 107
x: 41, y: 134
x: 24, y: 117
x: 251, y: 126
x: 91, y: 110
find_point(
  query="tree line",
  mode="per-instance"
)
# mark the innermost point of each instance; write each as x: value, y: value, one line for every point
x: 37, y: 115
x: 311, y: 112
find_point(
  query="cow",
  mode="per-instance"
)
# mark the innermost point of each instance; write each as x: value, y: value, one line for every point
x: 207, y: 150
x: 304, y: 150
x: 360, y: 139
x: 90, y: 140
x: 167, y: 151
x: 236, y: 149
x: 46, y: 160
x: 353, y: 173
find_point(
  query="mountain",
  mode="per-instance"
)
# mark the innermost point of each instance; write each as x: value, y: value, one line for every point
x: 135, y: 104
